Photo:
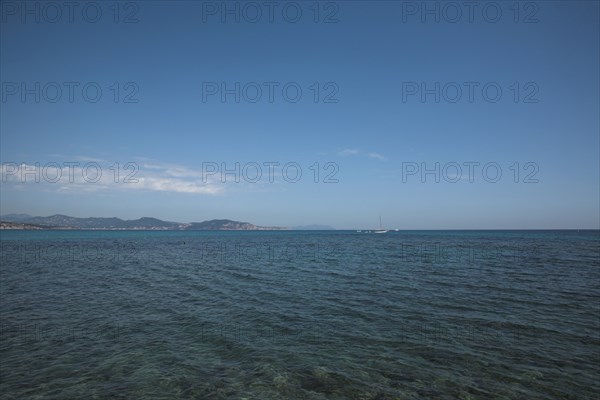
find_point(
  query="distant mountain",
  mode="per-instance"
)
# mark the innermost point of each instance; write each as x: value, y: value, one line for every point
x: 59, y: 220
x: 149, y: 222
x: 313, y: 228
x: 227, y: 225
x: 65, y: 221
x: 14, y: 217
x: 16, y: 225
x: 220, y: 224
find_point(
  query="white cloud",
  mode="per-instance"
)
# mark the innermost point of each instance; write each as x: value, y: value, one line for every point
x: 177, y: 185
x: 355, y: 152
x: 377, y: 156
x: 348, y: 152
x: 156, y: 177
x: 89, y: 159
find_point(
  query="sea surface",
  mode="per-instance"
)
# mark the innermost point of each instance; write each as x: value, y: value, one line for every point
x: 300, y: 315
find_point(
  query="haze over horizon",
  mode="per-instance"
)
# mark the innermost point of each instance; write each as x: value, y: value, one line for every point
x: 311, y: 225
x: 369, y: 136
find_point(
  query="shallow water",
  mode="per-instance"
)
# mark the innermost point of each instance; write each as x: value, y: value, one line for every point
x: 300, y: 315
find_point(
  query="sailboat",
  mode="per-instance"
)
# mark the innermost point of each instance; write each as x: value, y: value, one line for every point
x: 380, y: 230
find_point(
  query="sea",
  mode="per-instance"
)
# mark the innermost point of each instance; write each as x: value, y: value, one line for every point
x: 299, y: 315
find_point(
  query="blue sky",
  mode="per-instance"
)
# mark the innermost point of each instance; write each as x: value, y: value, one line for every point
x: 365, y: 120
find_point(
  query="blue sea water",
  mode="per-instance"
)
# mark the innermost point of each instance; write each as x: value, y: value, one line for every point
x: 300, y: 315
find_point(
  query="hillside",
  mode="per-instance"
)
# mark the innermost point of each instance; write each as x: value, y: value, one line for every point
x: 11, y: 221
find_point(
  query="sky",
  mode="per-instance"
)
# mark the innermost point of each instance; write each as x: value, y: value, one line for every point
x: 432, y: 115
